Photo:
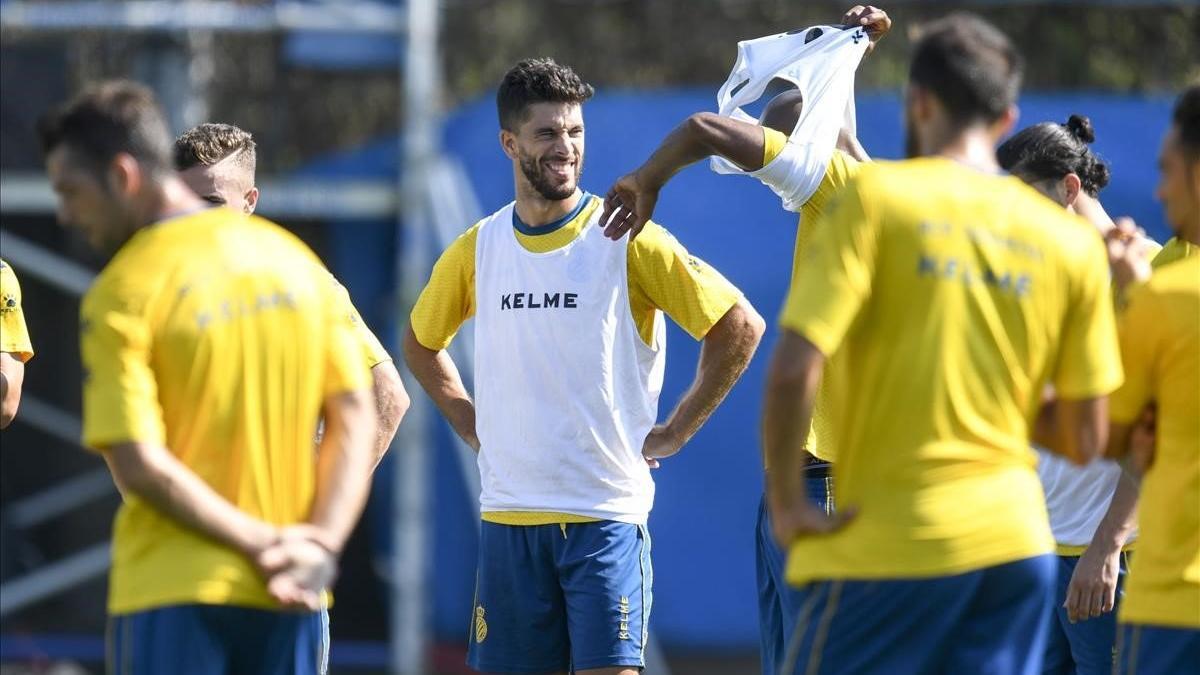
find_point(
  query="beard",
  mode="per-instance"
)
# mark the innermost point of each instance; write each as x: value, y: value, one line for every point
x: 536, y: 174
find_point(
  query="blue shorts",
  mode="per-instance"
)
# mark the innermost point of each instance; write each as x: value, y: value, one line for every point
x: 214, y: 640
x: 1157, y: 650
x: 550, y: 598
x: 991, y: 621
x: 778, y: 603
x: 1087, y: 647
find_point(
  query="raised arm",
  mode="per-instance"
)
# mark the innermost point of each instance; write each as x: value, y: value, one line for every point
x: 631, y: 200
x: 438, y: 376
x: 724, y: 354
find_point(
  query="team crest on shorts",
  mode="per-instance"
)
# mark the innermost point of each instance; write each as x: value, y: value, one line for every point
x: 480, y: 625
x: 9, y: 302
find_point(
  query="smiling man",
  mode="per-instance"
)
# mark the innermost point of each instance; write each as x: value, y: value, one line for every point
x: 569, y: 361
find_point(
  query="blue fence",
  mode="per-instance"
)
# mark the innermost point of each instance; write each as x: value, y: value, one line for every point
x: 703, y: 518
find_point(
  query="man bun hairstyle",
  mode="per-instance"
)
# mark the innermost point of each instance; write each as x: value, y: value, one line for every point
x: 969, y: 65
x: 210, y: 143
x: 107, y: 119
x: 537, y: 81
x: 1049, y: 151
x: 1186, y: 118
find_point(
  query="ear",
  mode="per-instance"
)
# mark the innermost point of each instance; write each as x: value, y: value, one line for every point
x: 508, y: 143
x: 124, y: 175
x: 1004, y: 125
x: 251, y: 200
x: 1071, y: 187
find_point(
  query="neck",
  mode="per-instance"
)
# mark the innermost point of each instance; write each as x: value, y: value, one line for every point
x: 535, y: 210
x: 973, y: 146
x: 168, y: 199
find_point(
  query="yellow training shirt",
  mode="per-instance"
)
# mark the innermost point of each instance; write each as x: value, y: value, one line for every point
x: 662, y: 276
x: 952, y: 296
x: 217, y: 336
x: 842, y: 167
x: 1160, y: 347
x: 14, y: 336
x: 369, y: 345
x: 1174, y: 250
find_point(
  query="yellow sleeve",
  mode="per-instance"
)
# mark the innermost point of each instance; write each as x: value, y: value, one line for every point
x: 368, y: 345
x: 14, y: 335
x: 345, y: 369
x: 773, y: 142
x: 449, y: 298
x: 1139, y: 329
x: 120, y: 394
x: 831, y: 285
x: 1089, y: 362
x: 664, y: 276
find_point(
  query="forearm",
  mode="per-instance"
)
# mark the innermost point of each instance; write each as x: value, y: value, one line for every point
x: 157, y: 477
x: 724, y: 355
x: 438, y: 376
x: 1090, y: 209
x: 344, y: 464
x: 700, y: 136
x: 391, y: 402
x: 12, y: 376
x: 787, y: 414
x: 1121, y: 517
x: 848, y: 143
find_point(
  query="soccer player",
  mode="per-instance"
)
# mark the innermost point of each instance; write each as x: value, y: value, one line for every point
x: 211, y: 343
x: 1160, y: 349
x: 752, y: 147
x: 218, y: 162
x: 952, y: 294
x: 15, y: 347
x: 569, y: 358
x: 1092, y: 509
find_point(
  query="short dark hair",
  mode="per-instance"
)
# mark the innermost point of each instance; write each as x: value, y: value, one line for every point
x: 107, y: 119
x: 969, y: 65
x: 209, y: 143
x: 537, y: 81
x: 1049, y: 151
x: 1186, y: 118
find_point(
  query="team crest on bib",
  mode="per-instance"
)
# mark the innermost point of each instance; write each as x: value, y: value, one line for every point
x: 480, y: 625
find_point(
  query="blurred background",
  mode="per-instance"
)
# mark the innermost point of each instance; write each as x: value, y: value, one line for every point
x: 376, y: 133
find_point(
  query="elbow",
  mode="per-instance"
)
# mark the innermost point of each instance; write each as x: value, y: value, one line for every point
x: 8, y: 412
x: 701, y: 126
x: 743, y: 325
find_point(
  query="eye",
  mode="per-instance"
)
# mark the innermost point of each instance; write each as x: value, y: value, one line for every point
x: 214, y: 199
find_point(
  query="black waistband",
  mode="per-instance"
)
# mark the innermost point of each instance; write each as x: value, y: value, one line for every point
x: 818, y: 469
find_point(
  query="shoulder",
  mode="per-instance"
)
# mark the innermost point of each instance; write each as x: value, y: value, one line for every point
x: 461, y: 251
x: 654, y: 240
x: 8, y: 278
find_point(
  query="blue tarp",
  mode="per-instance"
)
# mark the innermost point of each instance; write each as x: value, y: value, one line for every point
x: 703, y: 518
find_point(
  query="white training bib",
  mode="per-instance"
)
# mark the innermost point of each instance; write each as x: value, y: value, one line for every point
x: 823, y: 71
x: 566, y: 391
x: 1077, y: 497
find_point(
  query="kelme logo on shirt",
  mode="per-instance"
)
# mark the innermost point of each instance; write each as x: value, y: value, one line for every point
x: 539, y: 301
x: 480, y: 625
